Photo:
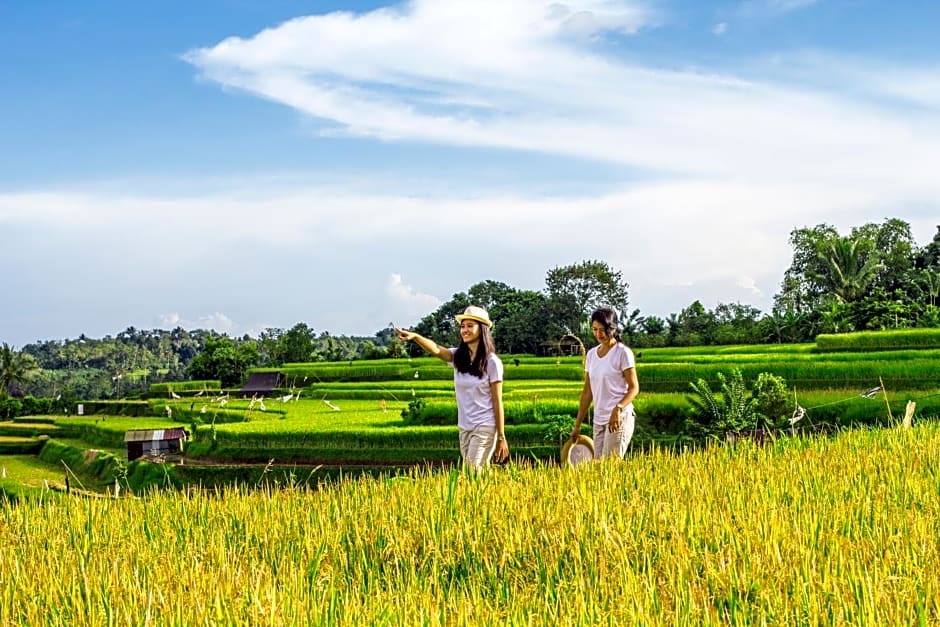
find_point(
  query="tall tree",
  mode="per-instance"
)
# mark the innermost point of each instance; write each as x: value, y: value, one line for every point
x: 894, y: 248
x: 927, y: 282
x: 929, y: 256
x: 224, y: 359
x: 800, y: 292
x: 697, y: 325
x: 490, y: 295
x: 16, y: 368
x: 587, y: 286
x: 736, y: 323
x: 848, y: 267
x: 525, y: 322
x: 297, y: 344
x: 632, y: 325
x: 269, y: 347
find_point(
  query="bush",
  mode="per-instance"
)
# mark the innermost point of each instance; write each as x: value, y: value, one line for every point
x: 414, y: 411
x: 557, y: 427
x: 10, y: 408
x: 771, y: 397
x: 33, y: 406
x: 712, y: 415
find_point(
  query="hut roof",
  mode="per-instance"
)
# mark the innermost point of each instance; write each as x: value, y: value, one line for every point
x: 261, y: 382
x: 155, y: 435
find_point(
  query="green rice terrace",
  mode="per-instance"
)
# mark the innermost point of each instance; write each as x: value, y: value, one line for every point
x: 328, y: 419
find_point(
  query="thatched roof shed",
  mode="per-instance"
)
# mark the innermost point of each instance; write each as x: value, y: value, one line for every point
x: 154, y: 442
x: 262, y: 383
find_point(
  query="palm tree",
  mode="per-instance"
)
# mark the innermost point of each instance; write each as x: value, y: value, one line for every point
x: 15, y: 368
x: 928, y: 281
x: 848, y: 268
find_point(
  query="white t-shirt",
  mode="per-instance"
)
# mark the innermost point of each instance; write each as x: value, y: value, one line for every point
x: 608, y: 383
x: 474, y: 395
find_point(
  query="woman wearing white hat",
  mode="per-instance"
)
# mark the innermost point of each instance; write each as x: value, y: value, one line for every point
x: 478, y: 384
x: 610, y: 382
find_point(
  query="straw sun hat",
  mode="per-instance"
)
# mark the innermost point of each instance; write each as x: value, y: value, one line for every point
x: 578, y: 451
x: 475, y: 313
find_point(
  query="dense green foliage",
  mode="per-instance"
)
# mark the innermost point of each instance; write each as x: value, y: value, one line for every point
x: 16, y: 369
x: 129, y: 363
x: 716, y: 414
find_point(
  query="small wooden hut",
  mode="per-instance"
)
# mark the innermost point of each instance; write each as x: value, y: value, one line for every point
x: 568, y: 345
x: 154, y: 442
x: 261, y: 383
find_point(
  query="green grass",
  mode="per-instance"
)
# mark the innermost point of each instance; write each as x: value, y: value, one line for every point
x: 28, y: 471
x: 826, y: 384
x: 659, y: 370
x: 118, y: 451
x: 879, y: 340
x: 21, y: 428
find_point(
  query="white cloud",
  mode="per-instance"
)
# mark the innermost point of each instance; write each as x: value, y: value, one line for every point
x: 402, y: 293
x: 669, y: 232
x: 894, y: 87
x: 437, y: 71
x: 720, y: 28
x: 586, y: 19
x: 407, y: 303
x: 215, y: 321
x: 749, y: 284
x: 169, y: 320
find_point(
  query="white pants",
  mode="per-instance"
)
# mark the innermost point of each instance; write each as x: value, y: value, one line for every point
x: 607, y: 444
x: 477, y: 446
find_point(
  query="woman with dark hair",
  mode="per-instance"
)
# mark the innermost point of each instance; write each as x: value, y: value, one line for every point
x: 478, y: 385
x: 610, y: 382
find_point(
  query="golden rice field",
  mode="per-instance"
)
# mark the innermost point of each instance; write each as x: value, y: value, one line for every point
x: 808, y: 532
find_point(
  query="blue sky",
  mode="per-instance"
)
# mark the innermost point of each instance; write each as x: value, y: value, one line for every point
x: 238, y: 165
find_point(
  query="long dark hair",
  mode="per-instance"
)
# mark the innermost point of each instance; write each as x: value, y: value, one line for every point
x: 607, y: 318
x: 485, y: 348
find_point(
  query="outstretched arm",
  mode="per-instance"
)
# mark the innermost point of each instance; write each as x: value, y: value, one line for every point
x: 429, y: 346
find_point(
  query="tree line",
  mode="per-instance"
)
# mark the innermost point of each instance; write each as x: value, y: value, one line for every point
x: 874, y: 277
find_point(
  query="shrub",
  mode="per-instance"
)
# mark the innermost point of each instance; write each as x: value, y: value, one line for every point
x: 33, y: 406
x: 770, y: 395
x: 10, y: 408
x: 414, y: 411
x: 712, y: 415
x: 557, y: 427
